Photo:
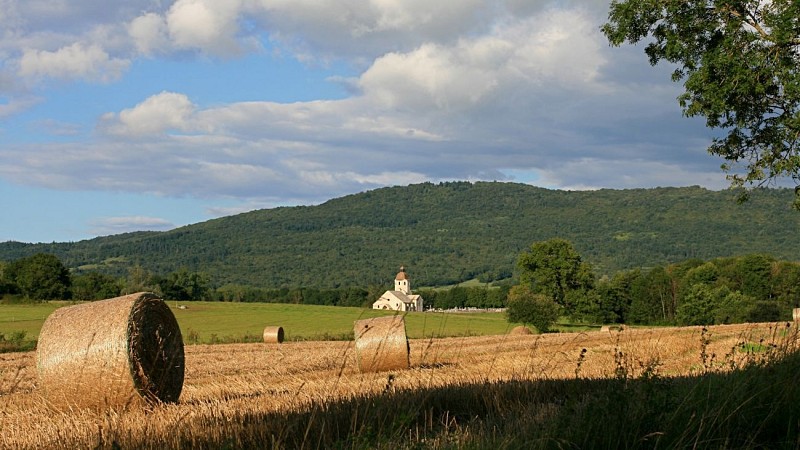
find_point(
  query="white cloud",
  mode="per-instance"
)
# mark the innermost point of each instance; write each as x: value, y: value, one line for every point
x: 15, y: 105
x: 156, y: 115
x: 357, y: 29
x: 105, y: 226
x: 205, y: 24
x: 72, y: 62
x: 472, y: 89
x: 557, y: 50
x: 149, y: 33
x: 594, y: 173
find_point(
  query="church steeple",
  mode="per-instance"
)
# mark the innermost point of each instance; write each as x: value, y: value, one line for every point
x: 401, y: 282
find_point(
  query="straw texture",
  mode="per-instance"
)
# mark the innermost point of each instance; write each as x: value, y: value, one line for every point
x: 521, y: 330
x: 273, y: 335
x: 381, y: 344
x: 119, y: 352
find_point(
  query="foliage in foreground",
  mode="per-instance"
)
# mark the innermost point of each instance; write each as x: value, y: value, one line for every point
x: 738, y: 61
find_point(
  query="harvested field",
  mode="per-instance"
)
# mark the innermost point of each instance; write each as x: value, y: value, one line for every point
x: 235, y: 392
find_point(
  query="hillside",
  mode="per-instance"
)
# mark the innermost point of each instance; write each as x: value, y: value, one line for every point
x: 446, y: 233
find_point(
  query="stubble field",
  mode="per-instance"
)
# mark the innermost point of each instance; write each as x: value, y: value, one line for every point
x: 311, y: 395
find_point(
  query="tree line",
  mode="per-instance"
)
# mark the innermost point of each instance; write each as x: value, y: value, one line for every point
x: 552, y: 281
x: 555, y: 281
x: 44, y: 277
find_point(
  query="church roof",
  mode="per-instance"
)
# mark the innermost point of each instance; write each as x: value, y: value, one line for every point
x: 402, y: 274
x: 399, y: 295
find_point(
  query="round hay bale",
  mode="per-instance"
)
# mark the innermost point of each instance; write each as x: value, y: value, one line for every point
x: 605, y: 328
x: 381, y: 344
x: 521, y: 330
x: 119, y: 352
x: 273, y: 335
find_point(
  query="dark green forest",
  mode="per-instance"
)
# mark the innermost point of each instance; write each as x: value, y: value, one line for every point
x: 444, y: 234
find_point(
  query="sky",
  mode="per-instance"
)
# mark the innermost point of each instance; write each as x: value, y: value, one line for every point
x: 155, y: 114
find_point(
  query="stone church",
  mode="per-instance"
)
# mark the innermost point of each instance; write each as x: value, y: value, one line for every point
x: 401, y: 298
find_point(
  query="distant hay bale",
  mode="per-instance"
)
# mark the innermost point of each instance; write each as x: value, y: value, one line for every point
x: 273, y: 335
x: 796, y: 314
x: 521, y: 330
x: 113, y: 353
x: 605, y: 328
x: 381, y: 344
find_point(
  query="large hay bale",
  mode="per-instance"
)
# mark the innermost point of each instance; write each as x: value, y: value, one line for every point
x: 273, y: 335
x: 796, y: 314
x: 119, y: 352
x: 521, y: 330
x: 381, y: 344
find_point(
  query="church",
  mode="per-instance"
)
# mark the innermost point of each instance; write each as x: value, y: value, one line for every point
x: 401, y: 298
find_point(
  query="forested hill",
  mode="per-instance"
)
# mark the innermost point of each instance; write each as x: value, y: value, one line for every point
x: 446, y: 233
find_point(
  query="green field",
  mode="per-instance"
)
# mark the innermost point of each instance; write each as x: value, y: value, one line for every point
x: 206, y: 322
x: 27, y: 317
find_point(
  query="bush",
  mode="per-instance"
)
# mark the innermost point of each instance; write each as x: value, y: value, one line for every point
x: 535, y: 309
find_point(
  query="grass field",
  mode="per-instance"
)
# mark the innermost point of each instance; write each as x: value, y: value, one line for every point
x: 26, y: 317
x: 720, y: 387
x: 218, y: 322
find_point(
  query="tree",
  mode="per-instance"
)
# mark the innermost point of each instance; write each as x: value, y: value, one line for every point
x: 94, y: 286
x: 733, y: 307
x: 699, y: 305
x: 616, y: 297
x: 739, y: 60
x: 554, y: 268
x: 184, y: 285
x: 651, y: 295
x: 525, y: 306
x: 476, y: 297
x: 7, y: 285
x: 40, y: 277
x: 140, y: 280
x: 755, y: 275
x: 786, y: 284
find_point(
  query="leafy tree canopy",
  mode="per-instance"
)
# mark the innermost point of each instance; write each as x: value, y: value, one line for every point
x: 554, y: 268
x: 41, y: 277
x: 739, y: 60
x: 94, y: 286
x: 524, y: 306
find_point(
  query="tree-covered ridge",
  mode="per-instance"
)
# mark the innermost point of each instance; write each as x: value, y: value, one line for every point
x: 445, y: 233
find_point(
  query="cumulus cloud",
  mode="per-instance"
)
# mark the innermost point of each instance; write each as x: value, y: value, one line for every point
x: 153, y: 116
x: 75, y: 61
x: 205, y: 24
x: 149, y: 33
x: 470, y: 89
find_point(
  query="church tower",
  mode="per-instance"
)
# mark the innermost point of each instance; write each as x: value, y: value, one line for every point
x: 401, y: 282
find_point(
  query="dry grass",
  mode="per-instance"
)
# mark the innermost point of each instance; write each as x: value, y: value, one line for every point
x: 227, y: 386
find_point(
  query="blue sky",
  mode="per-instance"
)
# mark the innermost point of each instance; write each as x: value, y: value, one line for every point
x: 154, y: 114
